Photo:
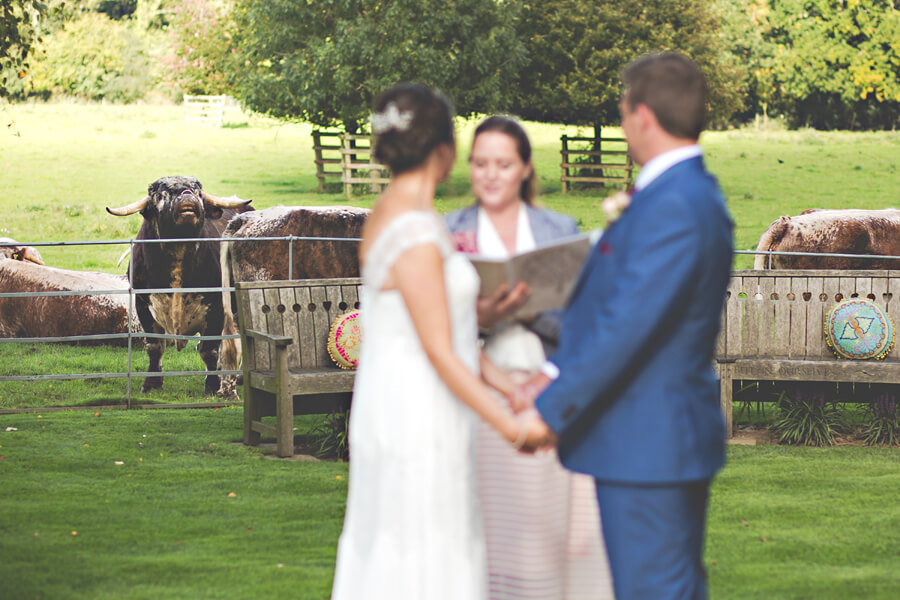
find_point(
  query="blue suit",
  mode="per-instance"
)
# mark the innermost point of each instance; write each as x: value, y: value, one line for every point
x: 636, y: 404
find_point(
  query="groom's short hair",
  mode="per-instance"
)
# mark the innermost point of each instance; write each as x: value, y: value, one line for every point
x: 673, y: 87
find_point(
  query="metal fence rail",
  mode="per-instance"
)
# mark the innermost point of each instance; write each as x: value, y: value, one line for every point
x: 131, y: 335
x: 132, y: 291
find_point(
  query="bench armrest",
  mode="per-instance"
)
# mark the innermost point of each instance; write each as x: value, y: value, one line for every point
x: 280, y: 341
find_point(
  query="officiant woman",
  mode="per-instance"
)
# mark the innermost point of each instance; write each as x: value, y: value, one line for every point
x: 541, y: 525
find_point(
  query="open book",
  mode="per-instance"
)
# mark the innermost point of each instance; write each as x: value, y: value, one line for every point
x: 550, y: 272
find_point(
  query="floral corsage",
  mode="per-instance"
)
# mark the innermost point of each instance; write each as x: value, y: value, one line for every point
x: 465, y: 241
x: 613, y: 206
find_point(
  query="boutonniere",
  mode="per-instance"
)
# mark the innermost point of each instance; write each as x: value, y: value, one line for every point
x: 613, y: 206
x: 465, y: 241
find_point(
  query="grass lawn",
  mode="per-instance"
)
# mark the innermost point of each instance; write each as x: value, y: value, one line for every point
x: 784, y: 522
x: 190, y: 513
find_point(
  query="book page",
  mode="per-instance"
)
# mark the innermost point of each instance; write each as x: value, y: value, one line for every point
x: 550, y: 272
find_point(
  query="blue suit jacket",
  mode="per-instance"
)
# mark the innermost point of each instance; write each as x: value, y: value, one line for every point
x: 546, y: 226
x: 637, y: 399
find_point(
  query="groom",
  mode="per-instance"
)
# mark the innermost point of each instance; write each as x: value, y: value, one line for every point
x: 631, y: 393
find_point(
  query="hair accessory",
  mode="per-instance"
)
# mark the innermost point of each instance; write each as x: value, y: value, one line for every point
x: 391, y: 118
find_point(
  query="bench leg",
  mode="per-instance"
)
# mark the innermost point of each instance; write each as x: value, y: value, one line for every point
x: 285, y: 424
x: 251, y: 414
x: 726, y: 385
x: 284, y: 407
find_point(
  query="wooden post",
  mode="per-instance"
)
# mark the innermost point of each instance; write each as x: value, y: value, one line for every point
x: 565, y: 160
x: 726, y: 385
x: 345, y: 165
x: 320, y: 166
x: 629, y: 170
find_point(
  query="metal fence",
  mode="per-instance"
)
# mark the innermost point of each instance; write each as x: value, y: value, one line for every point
x: 131, y: 335
x: 130, y: 373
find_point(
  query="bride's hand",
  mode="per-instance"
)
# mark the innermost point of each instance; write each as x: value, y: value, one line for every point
x: 534, y: 435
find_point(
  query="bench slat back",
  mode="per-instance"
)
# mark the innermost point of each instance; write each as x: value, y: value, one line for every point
x: 781, y: 314
x: 302, y: 309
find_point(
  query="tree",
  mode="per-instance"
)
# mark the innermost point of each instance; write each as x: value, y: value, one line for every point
x: 579, y: 47
x: 20, y: 28
x: 838, y: 61
x: 201, y: 35
x: 325, y: 61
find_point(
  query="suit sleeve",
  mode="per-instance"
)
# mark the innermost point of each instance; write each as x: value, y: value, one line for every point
x: 609, y: 335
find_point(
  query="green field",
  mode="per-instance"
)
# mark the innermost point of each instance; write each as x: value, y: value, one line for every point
x: 63, y: 163
x: 191, y: 513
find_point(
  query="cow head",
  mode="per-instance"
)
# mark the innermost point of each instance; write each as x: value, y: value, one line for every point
x: 177, y: 206
x: 11, y: 249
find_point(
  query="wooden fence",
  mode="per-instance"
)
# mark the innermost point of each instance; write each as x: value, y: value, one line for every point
x: 327, y: 148
x: 613, y: 161
x: 353, y: 152
x: 204, y: 110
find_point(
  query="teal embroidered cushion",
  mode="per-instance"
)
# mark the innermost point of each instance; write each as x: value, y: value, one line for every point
x: 859, y: 329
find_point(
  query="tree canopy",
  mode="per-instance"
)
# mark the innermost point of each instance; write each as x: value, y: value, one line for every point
x: 577, y: 49
x: 20, y: 27
x: 325, y: 61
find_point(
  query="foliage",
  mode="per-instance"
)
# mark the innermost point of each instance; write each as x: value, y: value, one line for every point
x: 883, y: 427
x: 808, y: 419
x: 330, y: 438
x: 201, y: 47
x: 21, y: 25
x: 577, y: 49
x: 823, y: 63
x: 325, y: 62
x: 96, y: 58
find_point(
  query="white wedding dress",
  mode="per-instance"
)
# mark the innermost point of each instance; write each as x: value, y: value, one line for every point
x: 412, y: 529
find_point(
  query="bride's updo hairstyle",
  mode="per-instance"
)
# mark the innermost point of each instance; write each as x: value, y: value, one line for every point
x: 409, y: 121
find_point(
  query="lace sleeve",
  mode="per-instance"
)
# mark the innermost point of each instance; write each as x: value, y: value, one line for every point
x: 407, y: 231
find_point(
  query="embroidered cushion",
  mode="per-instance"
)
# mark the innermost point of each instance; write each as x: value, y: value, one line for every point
x: 344, y: 340
x: 859, y: 329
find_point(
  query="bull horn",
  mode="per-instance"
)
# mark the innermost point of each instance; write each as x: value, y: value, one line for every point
x: 130, y: 209
x: 231, y: 202
x: 33, y: 256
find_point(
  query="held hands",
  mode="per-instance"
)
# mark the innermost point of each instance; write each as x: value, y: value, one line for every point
x: 532, y: 388
x: 502, y: 303
x: 538, y: 435
x: 533, y: 434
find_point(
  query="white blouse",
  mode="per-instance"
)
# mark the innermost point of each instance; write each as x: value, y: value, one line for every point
x: 510, y: 345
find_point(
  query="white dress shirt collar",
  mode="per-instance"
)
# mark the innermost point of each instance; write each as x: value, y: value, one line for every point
x: 662, y: 163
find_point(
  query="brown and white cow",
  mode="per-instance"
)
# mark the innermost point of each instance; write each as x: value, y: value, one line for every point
x: 13, y: 250
x: 851, y: 231
x: 62, y: 316
x: 178, y: 207
x: 262, y: 260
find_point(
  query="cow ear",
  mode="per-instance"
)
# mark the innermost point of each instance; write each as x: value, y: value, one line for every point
x: 212, y: 212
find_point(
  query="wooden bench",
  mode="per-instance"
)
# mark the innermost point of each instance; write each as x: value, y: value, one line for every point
x: 287, y: 370
x: 773, y: 328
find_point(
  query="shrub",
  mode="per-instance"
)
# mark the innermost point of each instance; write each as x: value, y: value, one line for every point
x: 883, y: 427
x: 95, y: 58
x: 808, y: 419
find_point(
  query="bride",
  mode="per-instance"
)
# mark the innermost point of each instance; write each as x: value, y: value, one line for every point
x: 413, y: 526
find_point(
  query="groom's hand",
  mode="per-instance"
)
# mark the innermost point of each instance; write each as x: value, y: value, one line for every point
x: 533, y: 387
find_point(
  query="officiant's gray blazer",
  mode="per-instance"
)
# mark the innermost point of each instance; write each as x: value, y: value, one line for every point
x: 546, y: 227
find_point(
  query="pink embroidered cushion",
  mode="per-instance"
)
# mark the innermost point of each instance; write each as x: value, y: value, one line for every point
x: 344, y: 340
